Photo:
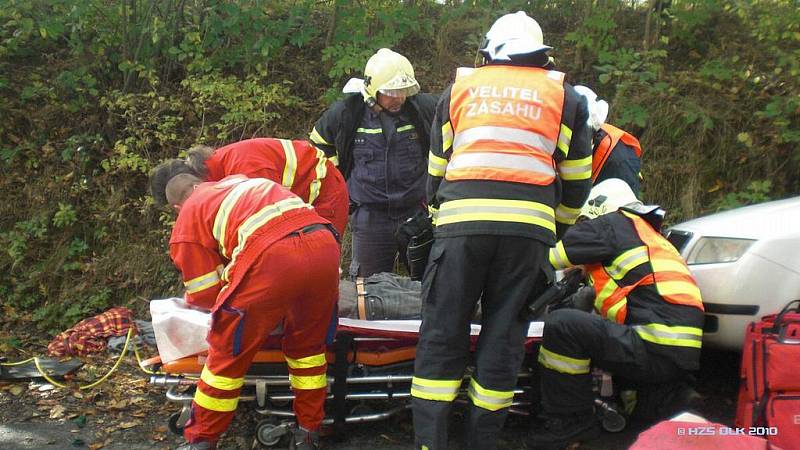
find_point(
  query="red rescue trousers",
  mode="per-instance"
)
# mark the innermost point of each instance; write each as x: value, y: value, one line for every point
x: 333, y: 202
x: 295, y: 281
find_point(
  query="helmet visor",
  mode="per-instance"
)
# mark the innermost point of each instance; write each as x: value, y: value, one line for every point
x: 402, y: 92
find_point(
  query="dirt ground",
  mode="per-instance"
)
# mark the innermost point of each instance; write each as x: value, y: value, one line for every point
x: 128, y: 413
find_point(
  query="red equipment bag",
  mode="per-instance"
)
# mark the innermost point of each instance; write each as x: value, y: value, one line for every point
x: 769, y: 390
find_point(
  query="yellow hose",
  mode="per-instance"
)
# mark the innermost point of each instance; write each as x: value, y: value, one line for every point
x: 50, y: 380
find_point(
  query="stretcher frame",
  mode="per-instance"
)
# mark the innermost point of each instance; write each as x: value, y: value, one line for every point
x: 368, y: 378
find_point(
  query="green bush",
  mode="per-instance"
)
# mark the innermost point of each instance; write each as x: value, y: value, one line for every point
x: 93, y: 94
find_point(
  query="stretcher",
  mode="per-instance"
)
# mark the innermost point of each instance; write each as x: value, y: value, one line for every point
x: 370, y: 365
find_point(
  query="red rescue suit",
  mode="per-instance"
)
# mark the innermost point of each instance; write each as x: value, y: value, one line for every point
x: 295, y: 165
x: 256, y: 255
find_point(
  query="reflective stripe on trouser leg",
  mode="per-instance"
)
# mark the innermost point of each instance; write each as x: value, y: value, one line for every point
x: 516, y: 276
x: 309, y: 382
x: 431, y: 400
x: 306, y: 326
x: 564, y: 356
x: 221, y: 380
x: 451, y: 287
x: 487, y: 398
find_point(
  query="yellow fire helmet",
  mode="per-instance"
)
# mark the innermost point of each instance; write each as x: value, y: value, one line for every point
x: 609, y: 196
x: 389, y: 73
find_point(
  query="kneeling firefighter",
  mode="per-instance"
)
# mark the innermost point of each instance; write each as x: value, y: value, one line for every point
x: 649, y: 327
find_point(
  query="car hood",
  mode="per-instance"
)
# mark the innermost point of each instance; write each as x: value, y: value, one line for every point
x: 765, y: 220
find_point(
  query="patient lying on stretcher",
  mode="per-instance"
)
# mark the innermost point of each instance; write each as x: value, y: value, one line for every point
x: 181, y: 329
x: 383, y: 296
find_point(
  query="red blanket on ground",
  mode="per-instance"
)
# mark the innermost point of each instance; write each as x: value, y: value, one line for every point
x: 90, y: 335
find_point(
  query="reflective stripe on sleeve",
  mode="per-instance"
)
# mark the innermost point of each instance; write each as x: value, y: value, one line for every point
x: 321, y: 171
x: 317, y: 138
x: 563, y: 364
x: 290, y: 168
x: 564, y: 140
x: 678, y: 336
x: 334, y: 160
x: 558, y: 257
x: 487, y: 398
x: 439, y: 390
x: 307, y: 362
x: 215, y: 404
x: 514, y: 135
x: 202, y: 282
x: 447, y: 136
x: 580, y: 169
x: 567, y: 215
x: 436, y: 165
x: 220, y: 382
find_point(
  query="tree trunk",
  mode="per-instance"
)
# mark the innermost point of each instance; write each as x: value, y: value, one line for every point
x: 647, y: 24
x: 332, y: 25
x: 587, y: 11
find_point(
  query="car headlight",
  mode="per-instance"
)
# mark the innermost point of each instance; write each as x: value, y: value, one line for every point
x: 710, y: 250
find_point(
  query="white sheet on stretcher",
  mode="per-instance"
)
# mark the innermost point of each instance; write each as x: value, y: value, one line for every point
x: 412, y: 326
x: 181, y: 330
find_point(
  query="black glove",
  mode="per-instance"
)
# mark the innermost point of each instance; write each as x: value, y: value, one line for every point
x: 415, y: 232
x: 582, y: 300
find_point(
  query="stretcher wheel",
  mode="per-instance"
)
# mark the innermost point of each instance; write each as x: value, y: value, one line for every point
x: 269, y: 433
x: 176, y: 423
x: 613, y: 422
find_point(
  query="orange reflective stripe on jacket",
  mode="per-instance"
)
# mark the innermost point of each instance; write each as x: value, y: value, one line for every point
x: 604, y: 148
x: 507, y: 123
x: 668, y: 273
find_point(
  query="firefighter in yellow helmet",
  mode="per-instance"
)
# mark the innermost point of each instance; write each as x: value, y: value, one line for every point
x: 510, y: 164
x: 647, y: 328
x: 379, y: 136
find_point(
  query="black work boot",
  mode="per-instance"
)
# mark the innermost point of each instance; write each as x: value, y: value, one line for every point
x: 558, y: 431
x: 303, y: 439
x: 201, y: 445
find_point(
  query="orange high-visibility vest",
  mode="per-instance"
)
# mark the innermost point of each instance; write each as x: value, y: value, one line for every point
x: 506, y: 124
x: 668, y: 272
x: 604, y: 148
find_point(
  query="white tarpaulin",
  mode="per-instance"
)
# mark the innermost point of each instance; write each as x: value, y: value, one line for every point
x: 180, y: 329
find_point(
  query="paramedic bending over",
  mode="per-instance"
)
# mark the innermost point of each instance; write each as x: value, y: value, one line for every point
x: 296, y: 165
x: 256, y: 255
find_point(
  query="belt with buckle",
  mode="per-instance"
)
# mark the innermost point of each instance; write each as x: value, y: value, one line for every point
x: 309, y: 229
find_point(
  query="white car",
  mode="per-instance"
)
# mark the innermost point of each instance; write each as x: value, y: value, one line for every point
x: 746, y: 262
